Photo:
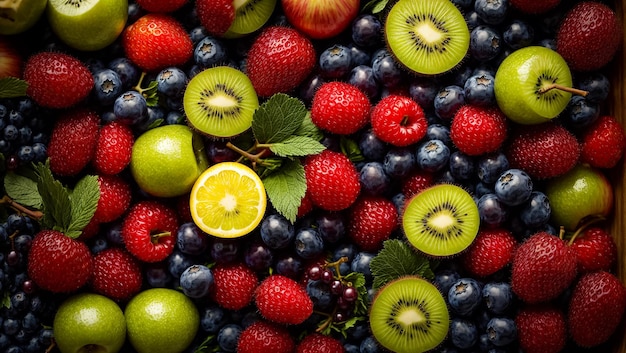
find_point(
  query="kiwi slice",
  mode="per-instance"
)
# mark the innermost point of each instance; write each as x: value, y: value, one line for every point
x: 428, y: 37
x: 220, y: 101
x: 409, y: 315
x: 250, y: 15
x: 441, y: 221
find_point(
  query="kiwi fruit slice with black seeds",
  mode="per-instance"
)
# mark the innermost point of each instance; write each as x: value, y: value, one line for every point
x: 428, y: 37
x: 441, y: 221
x: 250, y: 15
x: 409, y: 315
x: 220, y: 102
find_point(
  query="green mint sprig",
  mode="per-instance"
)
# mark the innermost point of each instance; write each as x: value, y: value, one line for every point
x: 397, y: 259
x: 12, y: 87
x: 375, y: 6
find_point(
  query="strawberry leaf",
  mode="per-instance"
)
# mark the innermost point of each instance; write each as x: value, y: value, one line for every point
x: 285, y: 188
x: 278, y: 118
x: 397, y: 259
x: 351, y: 149
x: 150, y: 94
x: 84, y: 199
x: 309, y: 129
x: 297, y: 146
x: 56, y: 200
x: 11, y: 87
x: 22, y: 190
x: 375, y: 6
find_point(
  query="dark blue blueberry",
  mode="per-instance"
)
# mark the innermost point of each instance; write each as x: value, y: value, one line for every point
x: 461, y: 166
x: 445, y: 279
x: 191, y: 240
x: 33, y: 346
x: 549, y: 43
x: 289, y: 265
x: 536, y: 211
x: 399, y: 162
x: 14, y: 349
x: 98, y: 244
x: 171, y: 82
x: 25, y: 154
x: 473, y: 20
x: 498, y: 297
x: 439, y: 132
x: 423, y: 91
x: 258, y: 256
x: 20, y: 302
x: 362, y: 77
x: 484, y: 344
x: 107, y: 86
x: 489, y: 167
x: 196, y: 281
x: 11, y: 326
x: 335, y: 61
x: 219, y: 152
x: 320, y: 294
x: 5, y: 146
x: 197, y: 34
x: 351, y: 348
x: 11, y: 133
x: 26, y: 135
x: 113, y: 233
x: 596, y: 84
x: 371, y: 146
x: 513, y: 187
x: 16, y: 118
x: 174, y: 117
x: 492, y: 211
x: 155, y: 115
x: 387, y: 71
x: 399, y: 200
x: 30, y: 323
x: 485, y: 43
x: 463, y: 333
x: 178, y: 262
x: 126, y: 71
x: 478, y: 90
x: 367, y: 31
x: 580, y: 113
x: 224, y: 250
x: 448, y: 100
x: 212, y: 318
x: 309, y: 87
x: 331, y: 226
x: 370, y: 345
x: 501, y: 331
x: 518, y: 34
x: 26, y: 106
x: 432, y: 155
x: 464, y: 296
x: 130, y: 107
x: 210, y: 51
x: 374, y: 180
x: 463, y: 4
x: 158, y: 275
x: 361, y: 264
x: 276, y: 231
x: 359, y: 55
x: 491, y: 11
x: 308, y: 243
x: 347, y: 250
x: 228, y: 336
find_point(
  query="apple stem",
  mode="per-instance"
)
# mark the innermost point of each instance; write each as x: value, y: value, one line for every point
x: 35, y: 215
x: 589, y: 222
x: 571, y: 90
x: 154, y: 237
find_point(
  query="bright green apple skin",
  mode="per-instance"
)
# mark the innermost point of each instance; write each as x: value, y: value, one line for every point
x: 98, y: 24
x: 167, y: 160
x: 582, y: 192
x: 89, y: 322
x: 517, y: 79
x: 18, y: 16
x: 161, y: 320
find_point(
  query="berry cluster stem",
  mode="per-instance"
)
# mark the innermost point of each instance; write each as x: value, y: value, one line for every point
x: 6, y: 200
x: 571, y: 90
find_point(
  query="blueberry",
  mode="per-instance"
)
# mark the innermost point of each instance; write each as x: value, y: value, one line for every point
x: 464, y: 296
x: 489, y: 167
x: 374, y: 180
x: 461, y: 166
x: 331, y: 226
x: 596, y: 84
x: 485, y: 43
x: 276, y: 231
x: 472, y: 19
x: 361, y: 264
x: 210, y: 51
x: 513, y: 187
x: 362, y: 77
x: 367, y: 31
x: 309, y: 87
x: 445, y: 279
x: 158, y: 275
x: 26, y: 154
x: 423, y: 91
x: 580, y: 113
x: 463, y: 333
x: 433, y: 155
x: 196, y: 281
x: 549, y: 43
x: 498, y: 297
x: 224, y: 250
x: 335, y: 61
x: 107, y: 86
x: 320, y: 294
x: 358, y: 55
x: 228, y: 336
x: 98, y: 244
x: 191, y: 240
x: 308, y: 243
x: 518, y: 34
x: 11, y: 132
x: 463, y: 4
x: 386, y: 70
x: 258, y: 256
x: 171, y: 82
x: 501, y: 331
x: 536, y: 211
x: 492, y: 211
x: 197, y: 34
x: 439, y: 132
x: 26, y: 135
x: 448, y: 100
x: 370, y: 345
x: 174, y: 117
x: 399, y: 162
x: 491, y: 11
x: 178, y: 262
x: 126, y: 71
x: 212, y: 318
x: 289, y: 265
x: 130, y: 107
x: 478, y: 90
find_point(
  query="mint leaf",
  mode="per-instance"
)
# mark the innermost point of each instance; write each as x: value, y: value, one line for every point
x: 56, y: 200
x: 11, y: 87
x: 84, y: 199
x: 309, y: 129
x: 397, y: 259
x: 150, y: 94
x: 6, y: 300
x: 351, y: 149
x: 297, y: 146
x: 375, y: 6
x: 285, y: 188
x: 22, y: 190
x: 205, y: 347
x: 278, y: 118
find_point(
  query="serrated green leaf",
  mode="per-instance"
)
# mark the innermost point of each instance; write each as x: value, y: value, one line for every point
x: 309, y: 129
x: 278, y: 118
x: 84, y: 199
x: 397, y: 259
x: 6, y: 299
x: 375, y: 6
x: 285, y: 188
x: 205, y: 346
x: 11, y: 87
x: 150, y: 94
x: 22, y: 190
x: 56, y: 204
x: 297, y: 146
x: 351, y: 149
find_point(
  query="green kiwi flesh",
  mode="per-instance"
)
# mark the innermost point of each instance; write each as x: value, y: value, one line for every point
x: 250, y: 15
x: 428, y: 37
x: 409, y: 315
x: 441, y: 221
x: 220, y: 102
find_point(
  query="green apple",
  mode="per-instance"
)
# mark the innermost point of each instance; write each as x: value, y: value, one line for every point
x: 167, y: 160
x: 161, y: 320
x: 16, y: 16
x: 578, y: 195
x: 89, y: 323
x: 87, y: 25
x: 533, y: 85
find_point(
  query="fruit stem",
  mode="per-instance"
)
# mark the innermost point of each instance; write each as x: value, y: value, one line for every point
x: 336, y: 266
x: 156, y: 236
x: 36, y: 215
x: 138, y: 87
x: 571, y: 90
x: 589, y: 222
x: 254, y: 158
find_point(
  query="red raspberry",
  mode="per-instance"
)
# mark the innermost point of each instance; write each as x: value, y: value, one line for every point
x: 332, y: 180
x: 372, y: 220
x: 318, y: 343
x: 113, y: 148
x: 233, y: 286
x: 73, y: 141
x: 115, y: 197
x: 541, y: 329
x: 490, y: 252
x: 595, y: 250
x: 399, y: 120
x: 282, y: 300
x: 265, y: 337
x: 417, y: 182
x: 478, y: 130
x: 149, y: 230
x: 116, y: 274
x: 216, y: 16
x: 603, y: 143
x: 340, y: 108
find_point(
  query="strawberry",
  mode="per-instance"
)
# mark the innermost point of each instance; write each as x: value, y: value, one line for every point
x: 115, y: 197
x: 156, y: 41
x: 416, y: 182
x: 490, y: 252
x: 265, y: 337
x: 318, y: 343
x: 541, y: 329
x: 57, y: 80
x: 543, y: 151
x: 543, y: 267
x: 113, y: 148
x: 603, y: 143
x: 161, y: 5
x: 332, y: 180
x: 595, y: 250
x: 372, y: 220
x: 596, y: 308
x: 589, y: 36
x: 216, y: 16
x: 116, y: 274
x: 233, y: 285
x: 340, y: 108
x: 534, y: 6
x: 282, y: 300
x: 149, y: 230
x: 279, y: 59
x: 91, y: 230
x: 73, y: 141
x: 58, y: 263
x: 478, y: 130
x: 399, y: 120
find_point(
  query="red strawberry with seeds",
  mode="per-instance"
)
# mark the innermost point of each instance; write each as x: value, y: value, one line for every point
x: 490, y: 252
x: 113, y: 148
x: 233, y: 286
x: 399, y: 120
x: 603, y: 143
x: 73, y: 141
x: 57, y: 80
x: 332, y: 180
x: 372, y: 220
x: 340, y: 108
x: 541, y: 329
x: 156, y: 41
x: 318, y: 343
x: 279, y: 60
x: 115, y: 197
x: 596, y: 308
x: 595, y: 250
x: 58, y: 263
x: 149, y: 230
x: 282, y: 300
x: 116, y: 274
x: 161, y: 5
x: 478, y: 130
x: 265, y: 337
x: 216, y: 16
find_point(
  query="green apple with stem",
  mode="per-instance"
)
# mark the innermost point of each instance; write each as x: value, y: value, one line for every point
x: 16, y: 16
x: 89, y: 323
x: 167, y: 160
x: 533, y: 85
x: 87, y: 25
x: 581, y: 195
x: 161, y: 320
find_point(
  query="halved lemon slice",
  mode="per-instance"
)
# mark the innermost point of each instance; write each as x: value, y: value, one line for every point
x: 228, y: 200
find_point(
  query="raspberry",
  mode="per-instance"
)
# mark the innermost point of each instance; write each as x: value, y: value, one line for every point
x: 595, y: 250
x: 490, y: 252
x: 332, y: 180
x: 216, y: 16
x: 265, y: 337
x: 318, y: 343
x: 233, y: 286
x: 399, y: 120
x: 340, y: 108
x: 115, y: 197
x: 417, y: 182
x: 282, y: 300
x: 113, y: 148
x: 478, y: 130
x: 116, y: 274
x: 603, y: 144
x: 372, y: 220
